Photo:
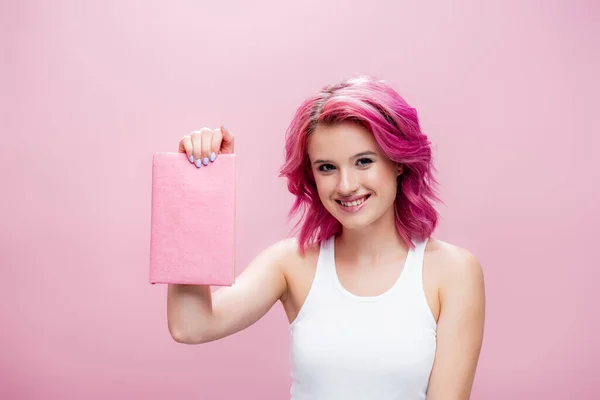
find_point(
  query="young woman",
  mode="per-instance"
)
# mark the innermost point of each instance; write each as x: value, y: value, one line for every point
x: 378, y: 309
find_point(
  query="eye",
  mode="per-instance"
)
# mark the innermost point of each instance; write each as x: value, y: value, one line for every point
x: 364, y: 162
x: 326, y: 167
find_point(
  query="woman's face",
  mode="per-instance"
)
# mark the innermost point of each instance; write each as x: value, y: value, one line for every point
x: 355, y: 180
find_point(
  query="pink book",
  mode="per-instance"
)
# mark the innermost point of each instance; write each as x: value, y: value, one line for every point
x: 192, y: 221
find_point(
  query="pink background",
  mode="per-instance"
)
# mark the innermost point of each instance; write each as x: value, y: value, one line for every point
x: 507, y: 91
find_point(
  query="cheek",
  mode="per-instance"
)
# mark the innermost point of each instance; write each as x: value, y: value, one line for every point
x: 324, y: 185
x: 382, y: 179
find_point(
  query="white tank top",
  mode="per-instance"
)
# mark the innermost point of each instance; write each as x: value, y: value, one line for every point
x: 345, y: 346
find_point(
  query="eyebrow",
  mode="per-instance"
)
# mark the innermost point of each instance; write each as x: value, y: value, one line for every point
x: 364, y: 153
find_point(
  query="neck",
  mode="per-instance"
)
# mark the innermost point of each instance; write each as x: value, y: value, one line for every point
x: 377, y: 242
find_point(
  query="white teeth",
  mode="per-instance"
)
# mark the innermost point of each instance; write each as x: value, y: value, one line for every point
x: 354, y: 203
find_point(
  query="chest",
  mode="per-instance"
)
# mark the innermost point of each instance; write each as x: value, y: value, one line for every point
x: 300, y: 277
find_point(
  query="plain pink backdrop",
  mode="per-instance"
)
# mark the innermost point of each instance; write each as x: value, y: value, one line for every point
x: 507, y: 92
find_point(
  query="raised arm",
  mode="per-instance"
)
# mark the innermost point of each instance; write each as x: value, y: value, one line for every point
x: 197, y: 316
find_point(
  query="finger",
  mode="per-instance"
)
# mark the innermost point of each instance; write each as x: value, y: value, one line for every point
x: 197, y: 146
x: 227, y: 145
x: 196, y: 138
x: 206, y: 143
x: 185, y: 146
x: 215, y: 146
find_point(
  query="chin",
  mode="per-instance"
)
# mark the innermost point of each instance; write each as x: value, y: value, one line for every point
x: 354, y: 225
x: 353, y: 221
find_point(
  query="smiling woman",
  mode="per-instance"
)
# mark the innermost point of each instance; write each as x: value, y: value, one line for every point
x: 367, y: 115
x: 365, y: 181
x: 377, y: 307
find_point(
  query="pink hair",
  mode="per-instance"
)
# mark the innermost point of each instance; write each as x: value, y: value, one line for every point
x: 395, y: 127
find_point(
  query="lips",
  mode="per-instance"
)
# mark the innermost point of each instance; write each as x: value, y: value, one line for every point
x: 349, y: 199
x: 353, y: 201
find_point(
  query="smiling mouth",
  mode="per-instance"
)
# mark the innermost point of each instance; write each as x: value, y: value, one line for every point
x: 354, y: 203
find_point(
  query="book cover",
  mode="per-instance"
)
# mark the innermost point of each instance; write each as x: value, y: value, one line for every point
x: 192, y: 221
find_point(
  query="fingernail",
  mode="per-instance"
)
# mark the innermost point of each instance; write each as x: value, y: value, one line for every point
x: 225, y: 127
x: 198, y: 163
x: 191, y: 158
x: 205, y: 161
x: 212, y: 156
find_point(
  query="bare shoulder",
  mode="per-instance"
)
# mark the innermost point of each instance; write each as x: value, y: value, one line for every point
x: 287, y: 252
x: 281, y: 250
x: 273, y: 260
x: 460, y: 328
x: 297, y: 268
x: 453, y: 264
x: 286, y: 256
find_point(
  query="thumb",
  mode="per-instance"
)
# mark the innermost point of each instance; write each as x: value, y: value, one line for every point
x: 227, y: 139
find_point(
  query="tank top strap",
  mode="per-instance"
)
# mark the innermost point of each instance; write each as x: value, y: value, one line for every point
x: 412, y: 284
x: 413, y: 268
x: 321, y: 286
x: 326, y: 251
x: 326, y: 261
x: 419, y: 253
x: 323, y: 282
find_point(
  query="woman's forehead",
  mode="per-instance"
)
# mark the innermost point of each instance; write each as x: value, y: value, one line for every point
x: 341, y: 140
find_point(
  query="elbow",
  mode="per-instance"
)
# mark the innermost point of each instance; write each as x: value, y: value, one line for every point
x: 185, y: 336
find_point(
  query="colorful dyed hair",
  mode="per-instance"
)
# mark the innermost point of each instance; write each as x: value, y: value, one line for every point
x: 395, y: 127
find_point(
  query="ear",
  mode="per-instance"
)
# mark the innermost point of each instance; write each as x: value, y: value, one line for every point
x: 400, y: 170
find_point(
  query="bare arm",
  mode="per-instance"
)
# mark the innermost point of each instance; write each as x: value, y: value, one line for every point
x: 460, y: 330
x: 197, y: 316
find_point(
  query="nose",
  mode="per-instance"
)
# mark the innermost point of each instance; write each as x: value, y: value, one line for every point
x: 348, y: 182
